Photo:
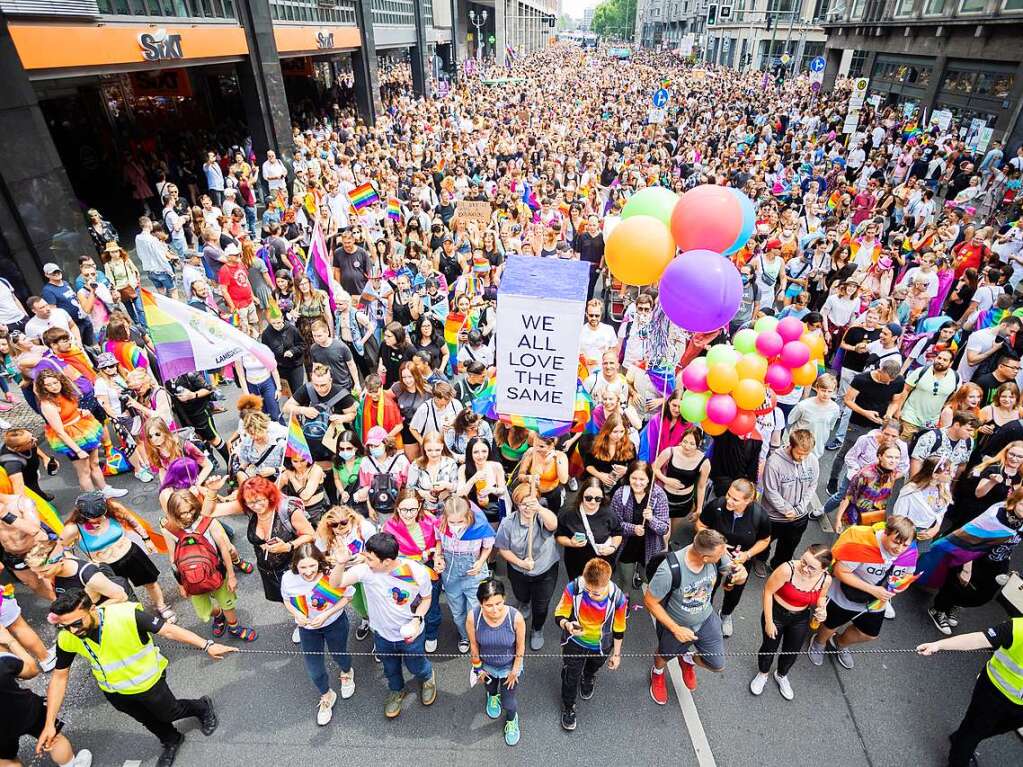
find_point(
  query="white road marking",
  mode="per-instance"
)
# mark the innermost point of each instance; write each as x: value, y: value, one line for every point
x: 697, y: 735
x: 133, y: 763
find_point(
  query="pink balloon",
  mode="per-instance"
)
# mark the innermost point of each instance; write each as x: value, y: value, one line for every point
x: 795, y: 354
x: 694, y: 377
x: 769, y: 343
x: 707, y: 217
x: 790, y: 329
x: 778, y: 378
x: 721, y: 409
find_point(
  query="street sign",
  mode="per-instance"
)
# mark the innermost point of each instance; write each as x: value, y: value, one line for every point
x: 817, y: 64
x: 815, y: 86
x: 785, y: 58
x: 661, y: 98
x: 859, y: 93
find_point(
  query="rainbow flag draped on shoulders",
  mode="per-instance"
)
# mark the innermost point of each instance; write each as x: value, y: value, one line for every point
x: 971, y: 541
x: 991, y: 317
x: 128, y: 355
x: 859, y: 544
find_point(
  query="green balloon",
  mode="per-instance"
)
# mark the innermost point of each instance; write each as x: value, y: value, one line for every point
x: 693, y: 406
x: 764, y: 324
x: 745, y: 341
x: 655, y: 201
x: 722, y: 354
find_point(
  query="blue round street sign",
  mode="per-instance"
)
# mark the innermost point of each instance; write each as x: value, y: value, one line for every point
x: 817, y: 64
x: 660, y: 98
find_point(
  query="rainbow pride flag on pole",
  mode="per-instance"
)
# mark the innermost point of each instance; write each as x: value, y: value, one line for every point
x: 485, y: 404
x: 393, y: 209
x: 297, y: 446
x: 317, y: 267
x: 188, y: 339
x: 363, y: 196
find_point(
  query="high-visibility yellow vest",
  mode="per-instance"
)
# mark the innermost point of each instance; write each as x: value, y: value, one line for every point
x: 1005, y: 669
x: 120, y: 662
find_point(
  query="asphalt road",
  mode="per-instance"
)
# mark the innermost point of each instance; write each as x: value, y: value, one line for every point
x: 892, y: 709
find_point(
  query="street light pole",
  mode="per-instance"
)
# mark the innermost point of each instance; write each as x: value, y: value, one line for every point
x: 478, y: 21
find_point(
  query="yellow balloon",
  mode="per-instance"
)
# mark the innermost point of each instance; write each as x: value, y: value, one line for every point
x: 721, y: 379
x: 815, y: 341
x: 751, y: 365
x: 639, y: 250
x: 713, y: 429
x: 749, y: 394
x: 801, y: 376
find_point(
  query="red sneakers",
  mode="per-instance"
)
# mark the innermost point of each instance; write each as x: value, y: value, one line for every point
x: 659, y: 688
x: 688, y: 674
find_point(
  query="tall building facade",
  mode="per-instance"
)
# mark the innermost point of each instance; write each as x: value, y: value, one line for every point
x: 766, y: 34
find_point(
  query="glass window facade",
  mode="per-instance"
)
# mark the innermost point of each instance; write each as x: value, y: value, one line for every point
x: 394, y: 12
x: 183, y: 9
x: 315, y: 11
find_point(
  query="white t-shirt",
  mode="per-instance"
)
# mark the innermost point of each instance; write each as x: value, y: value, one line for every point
x: 389, y: 596
x: 840, y: 311
x: 36, y: 326
x: 924, y: 507
x: 593, y: 343
x: 931, y: 277
x: 10, y: 312
x: 980, y: 342
x: 313, y: 597
x: 985, y: 297
x: 103, y: 388
x: 818, y: 419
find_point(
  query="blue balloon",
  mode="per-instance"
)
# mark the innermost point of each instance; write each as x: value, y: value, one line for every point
x: 749, y: 220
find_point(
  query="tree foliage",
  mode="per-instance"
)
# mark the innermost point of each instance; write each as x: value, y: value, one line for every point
x: 615, y: 19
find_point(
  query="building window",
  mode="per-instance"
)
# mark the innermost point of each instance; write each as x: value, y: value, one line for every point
x: 191, y: 9
x: 972, y: 6
x: 336, y: 12
x: 959, y: 81
x: 933, y: 7
x: 905, y: 7
x: 994, y: 85
x: 856, y: 63
x: 857, y: 9
x: 1012, y: 5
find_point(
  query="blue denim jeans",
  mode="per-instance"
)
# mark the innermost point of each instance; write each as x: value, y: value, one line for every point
x: 832, y: 503
x: 268, y: 391
x: 433, y: 616
x: 460, y: 588
x: 335, y: 637
x: 393, y: 653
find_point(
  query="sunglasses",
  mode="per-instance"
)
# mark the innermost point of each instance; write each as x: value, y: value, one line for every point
x: 74, y: 625
x: 590, y: 497
x: 593, y: 316
x: 341, y: 523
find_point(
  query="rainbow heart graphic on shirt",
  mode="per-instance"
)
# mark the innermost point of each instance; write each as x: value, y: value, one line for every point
x: 400, y: 596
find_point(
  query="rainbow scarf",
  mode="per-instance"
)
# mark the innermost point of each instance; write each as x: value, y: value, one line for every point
x: 128, y: 355
x: 297, y: 446
x: 363, y: 196
x: 321, y: 598
x: 971, y: 541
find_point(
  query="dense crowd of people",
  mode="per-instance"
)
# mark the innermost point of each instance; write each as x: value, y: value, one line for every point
x: 899, y: 241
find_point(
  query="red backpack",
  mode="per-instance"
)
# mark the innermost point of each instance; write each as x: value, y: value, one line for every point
x: 197, y: 561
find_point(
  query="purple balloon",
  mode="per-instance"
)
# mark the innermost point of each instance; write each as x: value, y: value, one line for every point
x: 700, y: 291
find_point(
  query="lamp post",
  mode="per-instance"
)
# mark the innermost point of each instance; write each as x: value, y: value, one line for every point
x: 478, y: 21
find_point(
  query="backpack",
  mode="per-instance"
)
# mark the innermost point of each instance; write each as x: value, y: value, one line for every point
x: 197, y: 561
x: 383, y: 489
x: 316, y: 428
x: 673, y: 564
x: 917, y: 437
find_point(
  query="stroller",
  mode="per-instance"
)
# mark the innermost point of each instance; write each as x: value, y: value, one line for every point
x: 617, y: 298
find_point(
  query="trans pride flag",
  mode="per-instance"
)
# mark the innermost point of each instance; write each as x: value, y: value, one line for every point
x: 971, y: 541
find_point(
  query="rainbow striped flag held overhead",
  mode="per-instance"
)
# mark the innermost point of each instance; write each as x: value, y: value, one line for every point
x: 317, y: 267
x: 297, y: 446
x: 393, y: 209
x: 834, y: 199
x: 910, y: 130
x: 188, y: 339
x: 363, y: 196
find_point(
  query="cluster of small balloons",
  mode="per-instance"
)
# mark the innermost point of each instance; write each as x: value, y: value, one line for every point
x: 725, y: 389
x: 699, y: 291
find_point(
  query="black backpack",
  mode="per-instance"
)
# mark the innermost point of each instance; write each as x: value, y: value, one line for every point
x: 920, y: 434
x: 383, y: 489
x: 673, y: 564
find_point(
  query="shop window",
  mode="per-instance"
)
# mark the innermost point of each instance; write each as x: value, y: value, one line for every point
x: 959, y: 81
x: 995, y: 85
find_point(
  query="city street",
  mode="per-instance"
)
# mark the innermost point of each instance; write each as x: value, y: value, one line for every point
x: 894, y: 708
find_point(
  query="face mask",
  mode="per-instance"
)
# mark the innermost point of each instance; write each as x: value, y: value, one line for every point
x: 377, y: 451
x: 346, y: 455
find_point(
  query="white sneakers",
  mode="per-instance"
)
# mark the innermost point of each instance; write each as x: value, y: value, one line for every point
x: 326, y: 708
x: 431, y: 645
x: 760, y: 680
x: 82, y: 759
x: 347, y: 684
x: 295, y: 638
x: 113, y: 492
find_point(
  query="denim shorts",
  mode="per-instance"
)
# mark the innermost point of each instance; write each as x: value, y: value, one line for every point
x: 161, y: 280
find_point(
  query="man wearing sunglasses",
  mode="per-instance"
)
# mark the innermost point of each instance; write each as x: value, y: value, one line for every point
x: 117, y: 640
x: 596, y: 337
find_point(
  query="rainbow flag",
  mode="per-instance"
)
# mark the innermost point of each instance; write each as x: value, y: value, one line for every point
x: 363, y: 196
x: 834, y: 199
x: 896, y: 586
x: 322, y: 597
x: 910, y: 130
x: 440, y: 166
x: 971, y: 541
x: 453, y: 325
x: 129, y: 356
x: 187, y: 339
x: 393, y: 209
x: 297, y: 446
x: 485, y: 404
x: 404, y: 572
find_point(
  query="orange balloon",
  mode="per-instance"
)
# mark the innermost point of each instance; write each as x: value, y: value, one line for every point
x: 815, y: 341
x: 713, y: 429
x: 804, y: 375
x: 749, y: 394
x: 751, y: 365
x: 639, y: 250
x: 721, y: 379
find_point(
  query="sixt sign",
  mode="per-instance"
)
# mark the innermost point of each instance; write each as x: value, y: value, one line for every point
x: 160, y: 46
x: 324, y: 40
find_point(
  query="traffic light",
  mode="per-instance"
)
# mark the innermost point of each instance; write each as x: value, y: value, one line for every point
x: 712, y: 15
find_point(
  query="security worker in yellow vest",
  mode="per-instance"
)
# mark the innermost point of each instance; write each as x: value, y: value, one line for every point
x: 117, y: 641
x: 997, y: 703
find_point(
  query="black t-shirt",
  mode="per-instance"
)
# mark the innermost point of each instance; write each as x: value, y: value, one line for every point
x: 194, y: 408
x: 85, y: 573
x: 989, y: 384
x: 391, y: 358
x: 303, y: 397
x: 146, y: 624
x: 336, y: 357
x: 20, y: 706
x: 1000, y: 635
x: 353, y: 268
x: 433, y: 349
x: 14, y: 462
x: 853, y: 336
x: 603, y: 524
x: 743, y: 530
x: 873, y: 396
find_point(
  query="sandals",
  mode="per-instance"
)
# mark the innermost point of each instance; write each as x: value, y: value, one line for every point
x: 245, y: 567
x: 167, y: 614
x: 219, y: 625
x: 243, y: 633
